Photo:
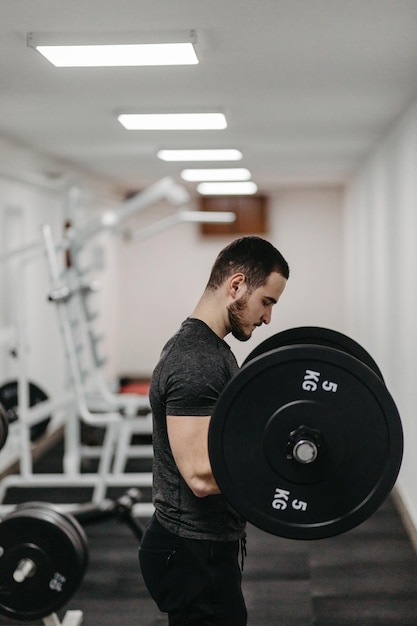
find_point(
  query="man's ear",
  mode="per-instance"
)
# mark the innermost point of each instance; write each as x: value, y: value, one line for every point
x: 237, y: 283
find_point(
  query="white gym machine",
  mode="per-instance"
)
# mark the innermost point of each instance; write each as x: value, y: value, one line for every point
x: 90, y: 400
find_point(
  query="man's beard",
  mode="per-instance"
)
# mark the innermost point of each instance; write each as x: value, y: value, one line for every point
x: 235, y: 312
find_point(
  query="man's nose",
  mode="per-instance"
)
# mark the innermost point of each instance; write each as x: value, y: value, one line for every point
x: 266, y: 317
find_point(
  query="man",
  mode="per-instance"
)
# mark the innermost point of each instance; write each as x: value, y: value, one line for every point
x: 189, y: 552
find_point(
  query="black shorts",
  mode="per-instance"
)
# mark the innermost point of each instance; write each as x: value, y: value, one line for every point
x: 197, y: 582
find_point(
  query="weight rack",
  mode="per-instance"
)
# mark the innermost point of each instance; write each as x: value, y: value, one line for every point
x: 119, y: 425
x: 89, y: 399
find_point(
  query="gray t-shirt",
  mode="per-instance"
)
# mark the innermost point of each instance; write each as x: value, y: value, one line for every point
x: 194, y: 368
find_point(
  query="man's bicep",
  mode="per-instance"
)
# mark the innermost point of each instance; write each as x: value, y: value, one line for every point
x: 188, y: 438
x: 187, y: 434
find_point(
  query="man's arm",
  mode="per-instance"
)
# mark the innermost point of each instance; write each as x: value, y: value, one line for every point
x: 188, y: 438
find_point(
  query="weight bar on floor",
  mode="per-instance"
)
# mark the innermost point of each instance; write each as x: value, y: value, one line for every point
x: 10, y: 402
x: 43, y: 558
x: 306, y: 441
x: 122, y: 509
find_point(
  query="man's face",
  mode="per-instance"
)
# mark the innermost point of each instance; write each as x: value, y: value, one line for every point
x: 252, y: 310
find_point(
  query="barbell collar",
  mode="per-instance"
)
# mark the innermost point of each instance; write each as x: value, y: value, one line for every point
x: 24, y: 570
x: 304, y: 444
x: 305, y: 451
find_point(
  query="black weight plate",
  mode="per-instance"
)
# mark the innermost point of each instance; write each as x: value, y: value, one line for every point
x: 357, y: 464
x: 56, y: 544
x: 67, y: 520
x: 315, y: 335
x: 4, y: 427
x: 9, y: 399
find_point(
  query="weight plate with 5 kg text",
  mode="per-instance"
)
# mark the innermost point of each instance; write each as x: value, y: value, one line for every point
x: 305, y: 442
x: 318, y: 336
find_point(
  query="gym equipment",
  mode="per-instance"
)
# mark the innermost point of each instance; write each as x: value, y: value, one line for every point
x: 164, y: 189
x: 44, y: 555
x: 4, y: 426
x: 9, y: 400
x: 73, y: 242
x: 306, y: 440
x: 122, y: 509
x: 319, y: 337
x: 43, y: 558
x: 88, y: 399
x: 116, y: 414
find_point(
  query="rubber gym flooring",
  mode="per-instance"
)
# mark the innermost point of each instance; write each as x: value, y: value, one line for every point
x: 367, y: 576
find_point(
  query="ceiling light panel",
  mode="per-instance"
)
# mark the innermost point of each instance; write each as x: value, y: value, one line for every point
x: 200, y: 155
x: 173, y: 121
x: 116, y: 49
x: 231, y: 188
x: 226, y: 173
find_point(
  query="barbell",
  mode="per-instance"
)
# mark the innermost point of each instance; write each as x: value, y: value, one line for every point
x: 306, y: 441
x: 44, y: 552
x: 43, y: 558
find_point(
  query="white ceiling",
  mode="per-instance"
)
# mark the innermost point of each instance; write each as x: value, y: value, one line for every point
x: 307, y: 86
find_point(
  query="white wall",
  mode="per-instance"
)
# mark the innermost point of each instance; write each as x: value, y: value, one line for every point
x: 162, y: 278
x: 381, y: 262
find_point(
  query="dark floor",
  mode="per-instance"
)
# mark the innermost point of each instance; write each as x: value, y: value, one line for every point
x: 367, y: 576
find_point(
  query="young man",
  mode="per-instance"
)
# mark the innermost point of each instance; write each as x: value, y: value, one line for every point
x: 189, y: 552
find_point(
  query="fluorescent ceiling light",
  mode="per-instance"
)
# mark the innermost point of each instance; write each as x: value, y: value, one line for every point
x: 173, y: 121
x: 223, y: 189
x: 122, y: 55
x: 200, y: 155
x: 226, y: 173
x: 115, y: 49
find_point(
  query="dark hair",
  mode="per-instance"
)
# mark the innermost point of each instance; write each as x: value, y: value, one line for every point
x: 253, y: 256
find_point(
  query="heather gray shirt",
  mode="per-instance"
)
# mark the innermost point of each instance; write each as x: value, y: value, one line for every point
x: 194, y: 367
